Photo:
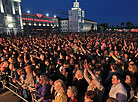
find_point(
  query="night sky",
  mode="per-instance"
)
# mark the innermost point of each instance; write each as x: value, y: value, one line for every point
x: 112, y: 12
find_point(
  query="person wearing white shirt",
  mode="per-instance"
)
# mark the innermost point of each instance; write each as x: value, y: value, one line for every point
x: 117, y: 90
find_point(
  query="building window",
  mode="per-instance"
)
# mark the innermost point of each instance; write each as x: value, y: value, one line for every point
x: 16, y: 8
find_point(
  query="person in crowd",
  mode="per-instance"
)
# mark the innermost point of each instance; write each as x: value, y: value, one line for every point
x: 72, y: 94
x: 43, y: 90
x: 29, y: 82
x: 89, y: 96
x: 60, y: 94
x: 110, y: 99
x: 79, y: 83
x: 130, y: 85
x: 94, y: 83
x: 118, y: 91
x: 64, y: 55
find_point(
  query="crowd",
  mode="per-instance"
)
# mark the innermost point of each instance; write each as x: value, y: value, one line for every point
x: 99, y: 67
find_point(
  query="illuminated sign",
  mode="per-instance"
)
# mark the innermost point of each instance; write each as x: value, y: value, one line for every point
x: 37, y: 20
x: 39, y: 15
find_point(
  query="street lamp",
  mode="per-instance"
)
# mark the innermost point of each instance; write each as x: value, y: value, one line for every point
x: 28, y: 11
x: 47, y: 14
x: 55, y: 16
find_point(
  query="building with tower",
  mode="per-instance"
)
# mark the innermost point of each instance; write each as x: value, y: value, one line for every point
x: 76, y: 21
x: 10, y: 16
x: 76, y: 18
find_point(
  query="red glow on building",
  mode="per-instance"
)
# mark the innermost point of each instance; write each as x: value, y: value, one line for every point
x: 37, y: 16
x: 38, y: 20
x: 28, y: 19
x: 134, y: 30
x: 28, y: 14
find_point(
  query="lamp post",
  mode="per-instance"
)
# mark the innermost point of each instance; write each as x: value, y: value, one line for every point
x: 55, y: 16
x: 47, y: 15
x: 28, y: 12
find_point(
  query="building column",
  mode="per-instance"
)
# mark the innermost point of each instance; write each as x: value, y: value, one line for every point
x: 13, y: 8
x: 20, y: 14
x: 1, y: 5
x: 19, y: 6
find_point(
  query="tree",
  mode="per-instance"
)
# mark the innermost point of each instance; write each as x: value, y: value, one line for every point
x: 105, y: 25
x: 117, y: 27
x: 129, y: 25
x: 112, y: 27
x: 136, y: 27
x: 122, y: 25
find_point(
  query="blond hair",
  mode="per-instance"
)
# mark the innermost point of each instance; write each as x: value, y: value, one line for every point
x: 61, y: 85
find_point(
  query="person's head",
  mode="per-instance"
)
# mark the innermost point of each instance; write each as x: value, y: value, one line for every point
x: 42, y: 57
x: 52, y: 79
x: 19, y: 71
x: 79, y: 74
x: 28, y: 69
x: 4, y: 66
x: 116, y: 53
x: 59, y: 86
x: 71, y: 61
x: 110, y: 99
x: 20, y: 59
x: 12, y: 67
x: 130, y: 80
x: 59, y: 61
x: 43, y: 80
x: 65, y: 72
x: 72, y: 91
x: 116, y: 79
x: 77, y: 66
x: 132, y: 68
x: 113, y: 66
x: 47, y: 63
x: 125, y: 55
x: 136, y: 92
x: 11, y: 60
x: 89, y: 96
x: 93, y: 61
x: 97, y: 72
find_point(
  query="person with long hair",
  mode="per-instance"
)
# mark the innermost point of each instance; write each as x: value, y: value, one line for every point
x: 60, y: 94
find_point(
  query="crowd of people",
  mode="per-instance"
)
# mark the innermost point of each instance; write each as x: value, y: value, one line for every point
x: 99, y: 67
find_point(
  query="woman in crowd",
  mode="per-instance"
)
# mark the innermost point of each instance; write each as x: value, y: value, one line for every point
x: 72, y: 94
x: 60, y: 94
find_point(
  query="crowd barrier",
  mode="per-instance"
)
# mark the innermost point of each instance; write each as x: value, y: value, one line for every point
x: 14, y: 91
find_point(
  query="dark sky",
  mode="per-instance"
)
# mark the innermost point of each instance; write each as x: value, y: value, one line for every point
x: 112, y: 12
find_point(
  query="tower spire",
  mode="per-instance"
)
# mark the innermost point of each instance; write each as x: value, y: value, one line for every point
x: 76, y: 4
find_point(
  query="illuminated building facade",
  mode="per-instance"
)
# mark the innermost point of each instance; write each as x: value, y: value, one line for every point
x: 64, y: 25
x: 39, y: 23
x: 10, y: 16
x: 76, y: 21
x: 76, y: 18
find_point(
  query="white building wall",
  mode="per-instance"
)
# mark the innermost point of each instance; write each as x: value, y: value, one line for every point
x: 64, y: 26
x: 11, y: 16
x: 76, y: 18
